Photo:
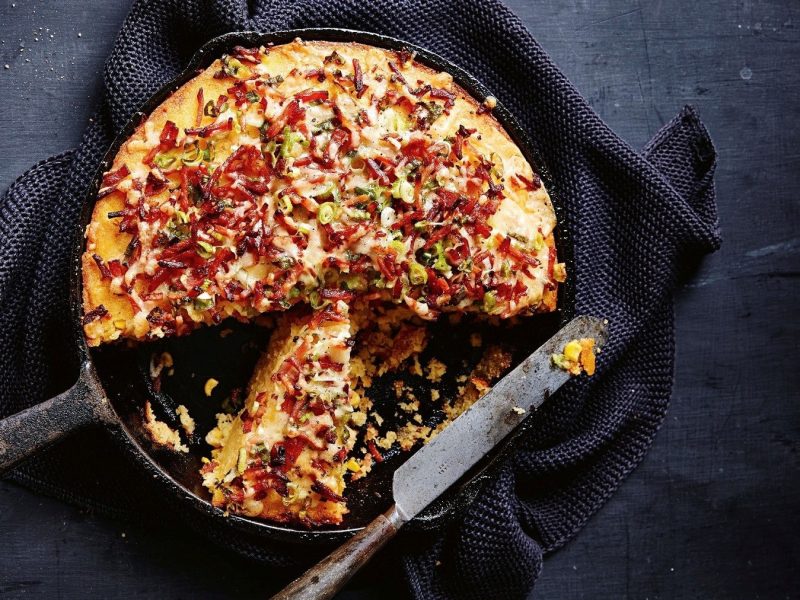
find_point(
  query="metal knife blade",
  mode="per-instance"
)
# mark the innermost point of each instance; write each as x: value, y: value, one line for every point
x: 440, y: 463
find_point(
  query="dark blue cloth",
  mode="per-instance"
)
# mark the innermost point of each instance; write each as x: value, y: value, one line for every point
x: 635, y: 217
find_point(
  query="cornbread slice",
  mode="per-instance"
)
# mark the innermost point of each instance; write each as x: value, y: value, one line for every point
x: 282, y: 457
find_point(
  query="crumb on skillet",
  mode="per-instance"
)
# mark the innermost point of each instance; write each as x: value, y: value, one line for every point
x: 161, y: 433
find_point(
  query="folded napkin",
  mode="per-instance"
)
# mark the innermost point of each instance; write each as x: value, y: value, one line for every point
x: 635, y: 218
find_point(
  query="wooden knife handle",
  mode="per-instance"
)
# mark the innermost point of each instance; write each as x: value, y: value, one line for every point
x: 329, y: 576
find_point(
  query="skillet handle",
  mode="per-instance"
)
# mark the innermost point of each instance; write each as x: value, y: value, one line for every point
x: 322, y: 581
x: 34, y: 429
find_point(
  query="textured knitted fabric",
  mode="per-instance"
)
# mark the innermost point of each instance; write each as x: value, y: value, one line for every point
x: 634, y: 217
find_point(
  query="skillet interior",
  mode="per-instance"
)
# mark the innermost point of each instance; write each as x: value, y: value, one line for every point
x: 124, y: 371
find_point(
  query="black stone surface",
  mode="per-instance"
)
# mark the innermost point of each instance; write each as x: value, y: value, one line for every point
x: 713, y: 510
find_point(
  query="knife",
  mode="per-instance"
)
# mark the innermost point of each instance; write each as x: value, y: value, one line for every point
x: 439, y: 464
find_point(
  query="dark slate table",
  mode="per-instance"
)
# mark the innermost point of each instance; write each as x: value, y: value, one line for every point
x: 712, y: 512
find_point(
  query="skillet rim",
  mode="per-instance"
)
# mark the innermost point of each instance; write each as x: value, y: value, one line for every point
x: 453, y: 502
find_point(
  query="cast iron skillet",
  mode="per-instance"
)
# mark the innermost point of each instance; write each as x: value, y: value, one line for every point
x: 114, y: 380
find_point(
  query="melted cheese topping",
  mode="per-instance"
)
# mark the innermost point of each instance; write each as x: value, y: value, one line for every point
x: 311, y: 173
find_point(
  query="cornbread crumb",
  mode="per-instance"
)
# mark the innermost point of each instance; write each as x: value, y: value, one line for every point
x: 365, y: 467
x: 410, y: 433
x: 371, y: 433
x: 358, y: 418
x: 217, y: 436
x: 391, y: 340
x: 494, y: 362
x: 159, y: 362
x: 436, y: 369
x: 481, y: 384
x: 161, y: 433
x: 187, y: 422
x: 560, y: 272
x: 360, y: 371
x: 415, y: 368
x: 409, y: 407
x: 387, y: 441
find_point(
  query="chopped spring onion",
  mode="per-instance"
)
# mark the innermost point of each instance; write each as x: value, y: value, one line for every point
x: 403, y: 190
x: 355, y: 283
x: 417, y: 274
x: 489, y: 302
x: 519, y: 237
x: 466, y: 265
x: 208, y: 152
x: 210, y: 109
x: 163, y: 161
x: 176, y: 230
x: 316, y: 300
x: 326, y: 212
x: 290, y: 138
x: 191, y: 153
x: 441, y: 262
x: 204, y: 301
x: 285, y: 262
x: 231, y: 66
x: 358, y: 214
x: 204, y: 249
x: 375, y: 193
x: 285, y: 205
x: 332, y: 192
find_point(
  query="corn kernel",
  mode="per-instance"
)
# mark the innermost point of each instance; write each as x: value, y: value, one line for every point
x: 210, y: 385
x: 572, y: 351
